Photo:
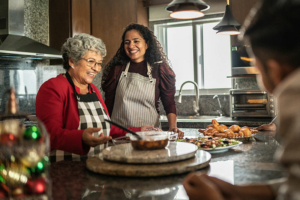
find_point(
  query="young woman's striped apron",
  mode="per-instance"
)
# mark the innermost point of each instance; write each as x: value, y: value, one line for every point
x: 135, y: 100
x: 91, y: 115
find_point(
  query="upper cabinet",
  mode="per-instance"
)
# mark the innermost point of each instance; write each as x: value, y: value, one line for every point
x: 68, y: 18
x: 109, y: 19
x: 105, y: 19
x: 240, y: 10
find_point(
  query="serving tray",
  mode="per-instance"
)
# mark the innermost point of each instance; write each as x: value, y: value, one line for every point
x: 175, y: 151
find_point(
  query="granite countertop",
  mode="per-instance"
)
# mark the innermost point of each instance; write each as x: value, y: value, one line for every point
x: 251, y: 162
x: 203, y: 121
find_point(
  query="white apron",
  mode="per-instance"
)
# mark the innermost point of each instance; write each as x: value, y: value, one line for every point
x: 134, y: 104
x: 91, y: 115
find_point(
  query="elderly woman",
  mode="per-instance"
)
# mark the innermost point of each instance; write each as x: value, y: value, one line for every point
x: 72, y: 108
x: 136, y: 78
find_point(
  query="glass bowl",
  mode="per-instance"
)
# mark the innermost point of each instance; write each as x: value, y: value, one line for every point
x: 24, y: 165
x: 151, y: 140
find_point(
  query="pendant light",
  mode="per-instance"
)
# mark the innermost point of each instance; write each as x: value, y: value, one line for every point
x: 187, y: 9
x: 228, y: 25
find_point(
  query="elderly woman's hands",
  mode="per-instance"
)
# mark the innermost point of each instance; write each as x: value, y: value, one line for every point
x: 92, y: 141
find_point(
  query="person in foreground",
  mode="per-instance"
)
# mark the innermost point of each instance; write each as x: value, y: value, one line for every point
x: 136, y: 78
x: 273, y: 34
x: 71, y: 107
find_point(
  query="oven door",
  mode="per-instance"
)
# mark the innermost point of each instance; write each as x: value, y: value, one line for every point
x: 249, y: 103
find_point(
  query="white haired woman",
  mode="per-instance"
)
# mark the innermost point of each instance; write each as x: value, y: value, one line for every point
x: 72, y: 108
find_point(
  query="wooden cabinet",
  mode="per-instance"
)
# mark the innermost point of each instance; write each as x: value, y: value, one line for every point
x: 67, y: 18
x: 109, y: 18
x: 240, y: 10
x: 105, y: 19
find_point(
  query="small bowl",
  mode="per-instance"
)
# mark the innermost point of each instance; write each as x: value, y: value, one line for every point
x: 151, y: 140
x: 173, y: 136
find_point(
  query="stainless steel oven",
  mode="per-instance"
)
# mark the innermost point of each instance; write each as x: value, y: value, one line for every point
x: 251, y: 103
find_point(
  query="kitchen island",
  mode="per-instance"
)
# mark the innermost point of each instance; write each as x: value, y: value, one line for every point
x: 251, y: 162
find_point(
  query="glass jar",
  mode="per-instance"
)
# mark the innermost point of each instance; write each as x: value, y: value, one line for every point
x: 24, y: 145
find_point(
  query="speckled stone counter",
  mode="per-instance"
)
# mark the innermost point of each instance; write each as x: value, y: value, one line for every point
x: 251, y: 162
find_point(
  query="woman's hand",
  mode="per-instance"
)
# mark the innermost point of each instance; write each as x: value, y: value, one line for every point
x: 198, y: 186
x: 92, y: 141
x: 267, y: 127
x: 176, y: 130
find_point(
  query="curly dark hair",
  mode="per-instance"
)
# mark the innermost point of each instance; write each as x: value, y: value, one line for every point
x: 154, y: 52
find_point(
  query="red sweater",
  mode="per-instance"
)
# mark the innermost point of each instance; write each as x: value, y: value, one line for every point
x: 56, y: 106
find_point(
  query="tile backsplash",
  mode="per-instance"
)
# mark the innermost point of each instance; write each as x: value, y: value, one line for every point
x: 207, y: 105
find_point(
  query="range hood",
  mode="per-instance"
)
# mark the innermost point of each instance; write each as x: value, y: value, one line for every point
x: 13, y: 42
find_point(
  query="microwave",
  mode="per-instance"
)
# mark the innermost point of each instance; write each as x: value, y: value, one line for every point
x: 251, y: 103
x: 241, y: 61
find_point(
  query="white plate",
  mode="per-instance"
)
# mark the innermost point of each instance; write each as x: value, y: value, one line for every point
x: 221, y: 149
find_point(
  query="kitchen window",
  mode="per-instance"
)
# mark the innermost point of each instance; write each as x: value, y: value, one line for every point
x: 197, y: 53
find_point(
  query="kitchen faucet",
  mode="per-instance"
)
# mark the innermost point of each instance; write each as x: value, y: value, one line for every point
x: 220, y: 110
x: 195, y: 103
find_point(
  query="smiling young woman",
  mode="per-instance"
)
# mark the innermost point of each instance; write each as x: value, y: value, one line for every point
x: 136, y: 78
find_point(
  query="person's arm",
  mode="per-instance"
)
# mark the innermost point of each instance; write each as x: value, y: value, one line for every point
x: 50, y: 102
x: 110, y: 86
x: 245, y: 192
x: 167, y: 95
x: 196, y: 183
x: 267, y: 127
x: 198, y: 187
x: 172, y: 119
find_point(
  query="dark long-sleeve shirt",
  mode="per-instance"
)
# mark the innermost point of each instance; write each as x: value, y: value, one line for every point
x: 164, y: 87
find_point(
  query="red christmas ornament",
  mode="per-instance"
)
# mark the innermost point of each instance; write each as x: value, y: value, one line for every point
x: 3, y: 193
x: 40, y: 187
x: 36, y: 186
x: 8, y: 139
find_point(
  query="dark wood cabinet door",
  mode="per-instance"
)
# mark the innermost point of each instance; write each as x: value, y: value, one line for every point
x: 109, y: 18
x: 59, y: 22
x: 81, y: 17
x: 241, y: 8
